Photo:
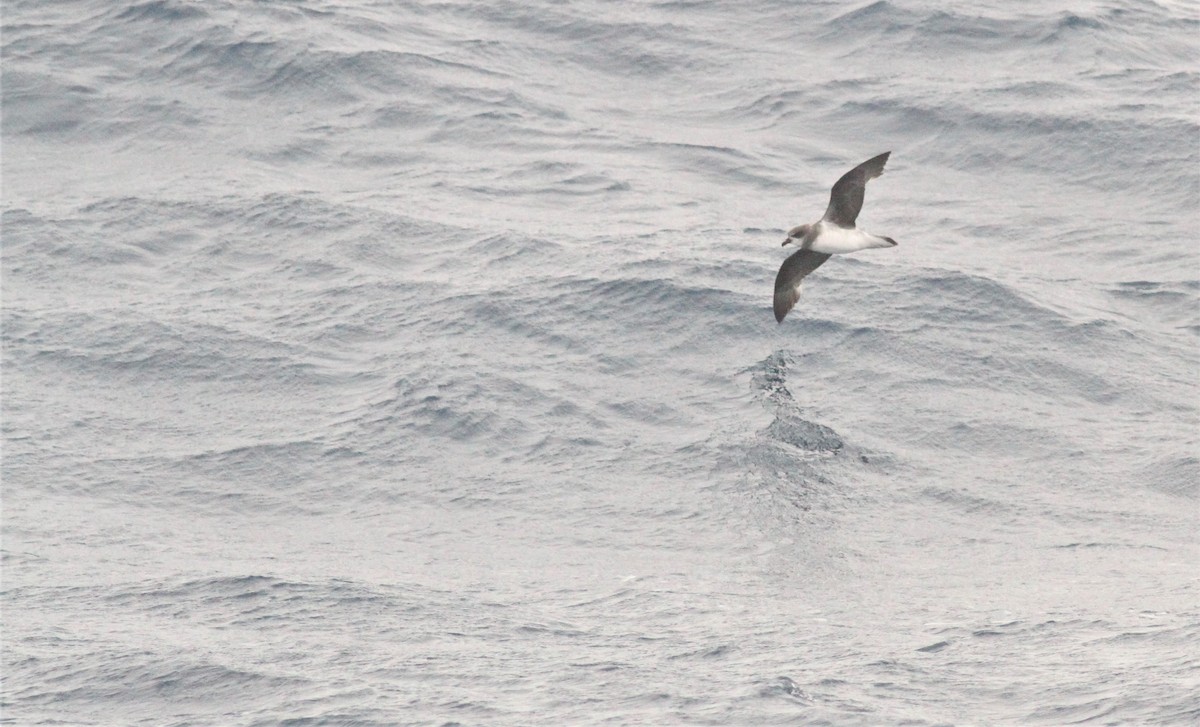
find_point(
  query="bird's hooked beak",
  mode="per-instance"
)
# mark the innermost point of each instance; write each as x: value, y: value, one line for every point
x: 786, y: 241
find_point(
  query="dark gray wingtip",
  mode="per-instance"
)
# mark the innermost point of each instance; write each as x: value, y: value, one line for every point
x: 782, y: 307
x: 786, y: 296
x: 874, y: 165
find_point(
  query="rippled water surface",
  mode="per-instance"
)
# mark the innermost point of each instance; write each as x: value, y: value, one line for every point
x: 389, y: 363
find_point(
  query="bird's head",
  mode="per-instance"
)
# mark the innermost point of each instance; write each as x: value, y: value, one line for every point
x: 797, y: 234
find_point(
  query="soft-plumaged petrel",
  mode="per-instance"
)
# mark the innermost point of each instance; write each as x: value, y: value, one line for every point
x: 832, y: 234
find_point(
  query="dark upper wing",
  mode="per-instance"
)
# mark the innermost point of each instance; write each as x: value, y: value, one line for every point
x: 846, y: 199
x: 787, y: 282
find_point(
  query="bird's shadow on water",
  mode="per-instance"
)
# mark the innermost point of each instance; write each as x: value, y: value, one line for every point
x: 769, y: 381
x: 787, y: 466
x: 799, y: 478
x: 798, y: 460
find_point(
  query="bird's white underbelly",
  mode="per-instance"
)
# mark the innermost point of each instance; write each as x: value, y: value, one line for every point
x: 832, y: 240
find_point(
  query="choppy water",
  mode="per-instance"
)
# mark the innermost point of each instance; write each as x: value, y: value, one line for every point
x: 413, y: 363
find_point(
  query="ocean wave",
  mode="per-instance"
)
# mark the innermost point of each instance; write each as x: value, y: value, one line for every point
x: 378, y: 361
x: 118, y: 345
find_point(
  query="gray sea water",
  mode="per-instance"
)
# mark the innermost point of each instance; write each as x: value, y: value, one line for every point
x: 412, y: 363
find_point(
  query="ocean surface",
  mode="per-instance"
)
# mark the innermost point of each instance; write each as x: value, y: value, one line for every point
x: 413, y: 363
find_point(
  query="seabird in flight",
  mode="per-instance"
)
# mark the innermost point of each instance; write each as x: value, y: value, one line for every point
x: 832, y: 234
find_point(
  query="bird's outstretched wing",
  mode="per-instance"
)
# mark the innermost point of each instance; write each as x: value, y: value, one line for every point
x: 846, y: 199
x: 787, y: 282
